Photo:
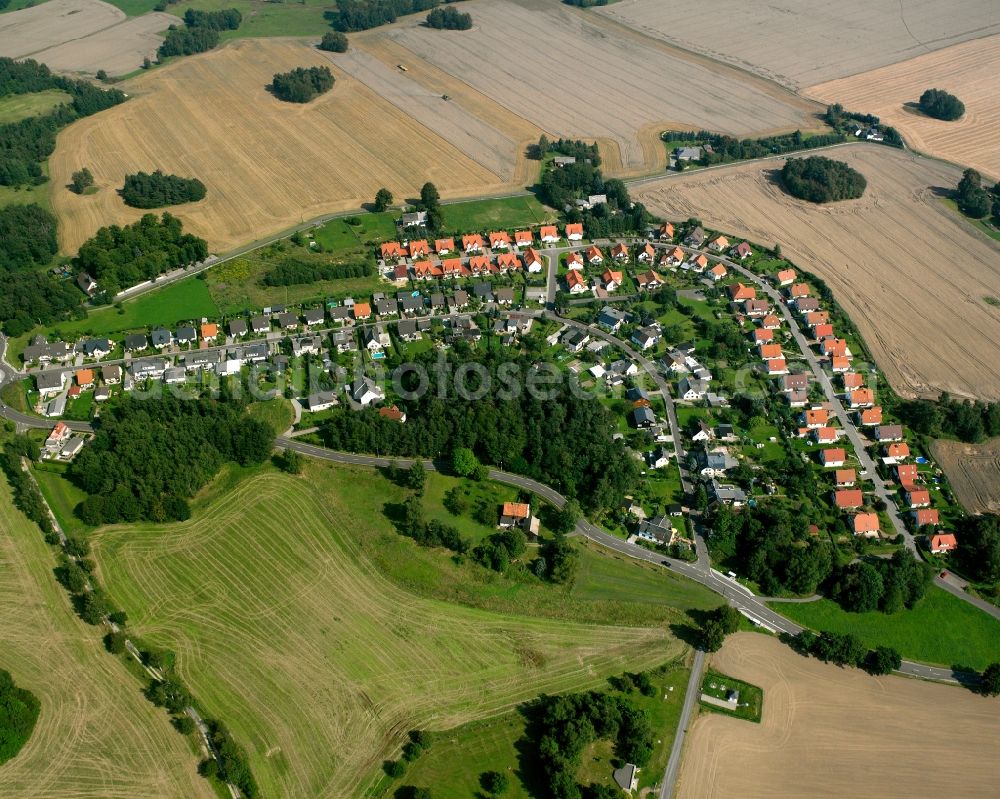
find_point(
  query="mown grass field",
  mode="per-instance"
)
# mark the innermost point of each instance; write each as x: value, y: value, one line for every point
x: 21, y: 106
x: 301, y: 618
x: 260, y: 18
x: 96, y: 736
x: 500, y: 214
x: 941, y: 629
x: 62, y: 496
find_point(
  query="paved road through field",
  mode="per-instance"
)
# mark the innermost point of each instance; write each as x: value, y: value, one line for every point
x: 690, y: 699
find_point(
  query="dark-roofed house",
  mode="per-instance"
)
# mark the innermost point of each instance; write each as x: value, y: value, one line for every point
x: 386, y: 307
x: 411, y: 304
x: 437, y: 301
x: 643, y: 417
x: 111, y: 374
x: 148, y: 368
x: 611, y: 318
x: 313, y: 316
x: 186, y: 334
x: 889, y: 432
x: 344, y: 341
x: 42, y: 351
x: 459, y: 299
x: 483, y: 291
x: 260, y: 324
x: 340, y: 313
x: 161, y: 337
x: 95, y: 347
x: 238, y: 328
x: 135, y: 342
x: 505, y: 295
x: 321, y: 400
x: 50, y: 382
x: 696, y: 237
x: 407, y: 329
x: 310, y: 345
x: 205, y: 359
x: 287, y: 321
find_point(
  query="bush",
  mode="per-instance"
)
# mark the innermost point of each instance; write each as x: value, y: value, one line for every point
x: 940, y: 104
x: 81, y: 181
x: 293, y: 272
x: 821, y: 180
x: 333, y: 42
x: 301, y: 84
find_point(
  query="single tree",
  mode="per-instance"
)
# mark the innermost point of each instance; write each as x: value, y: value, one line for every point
x: 990, y: 684
x: 383, y: 199
x: 416, y: 475
x: 464, y: 461
x: 493, y: 782
x: 81, y: 181
x: 883, y: 660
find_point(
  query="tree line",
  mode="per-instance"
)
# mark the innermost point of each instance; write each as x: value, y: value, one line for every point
x: 148, y: 457
x: 565, y: 441
x: 28, y: 142
x: 967, y: 420
x: 847, y: 122
x: 979, y: 553
x: 450, y: 19
x: 295, y: 272
x: 301, y: 84
x: 200, y: 32
x: 156, y: 189
x: 361, y: 15
x: 117, y: 257
x: 822, y: 180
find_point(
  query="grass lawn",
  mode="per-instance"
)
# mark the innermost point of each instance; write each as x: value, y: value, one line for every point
x: 176, y: 302
x: 300, y: 586
x: 23, y: 195
x: 942, y: 629
x: 749, y: 705
x: 21, y: 106
x: 982, y: 225
x: 304, y: 18
x: 276, y: 413
x: 503, y: 214
x: 62, y: 496
x: 482, y: 499
x: 338, y: 234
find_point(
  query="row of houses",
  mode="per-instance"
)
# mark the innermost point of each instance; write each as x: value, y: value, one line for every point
x: 476, y: 265
x: 475, y: 243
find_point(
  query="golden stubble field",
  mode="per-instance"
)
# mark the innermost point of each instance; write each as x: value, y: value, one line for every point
x: 974, y: 472
x: 808, y: 41
x: 96, y: 736
x: 82, y: 36
x: 910, y: 272
x: 828, y: 733
x: 969, y: 71
x: 267, y: 164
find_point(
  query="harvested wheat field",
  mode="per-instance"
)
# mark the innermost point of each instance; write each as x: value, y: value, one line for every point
x: 909, y: 271
x: 833, y: 732
x: 577, y: 74
x: 267, y: 164
x: 969, y: 71
x: 96, y: 736
x: 973, y: 471
x: 82, y: 36
x: 808, y: 41
x: 285, y: 627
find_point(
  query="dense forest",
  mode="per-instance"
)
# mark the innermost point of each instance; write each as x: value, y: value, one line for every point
x: 117, y: 257
x: 150, y: 456
x: 450, y: 19
x: 301, y: 84
x: 145, y: 190
x: 293, y: 272
x: 885, y: 584
x: 361, y: 15
x: 200, y: 32
x: 26, y: 143
x: 27, y: 297
x: 564, y: 441
x: 940, y: 104
x: 979, y: 550
x: 822, y: 180
x: 18, y: 713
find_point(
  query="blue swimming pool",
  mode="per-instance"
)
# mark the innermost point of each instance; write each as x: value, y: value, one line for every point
x: 920, y: 459
x: 377, y: 356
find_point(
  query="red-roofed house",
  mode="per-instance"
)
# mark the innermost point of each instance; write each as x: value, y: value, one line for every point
x: 548, y: 234
x: 769, y: 352
x: 814, y: 318
x: 84, y: 378
x: 419, y: 247
x: 478, y: 264
x: 532, y: 260
x: 897, y: 451
x: 741, y: 251
x: 576, y: 282
x: 666, y: 231
x: 594, y: 255
x: 500, y: 240
x: 840, y: 363
x: 619, y: 252
x: 647, y: 254
x: 831, y: 458
x: 777, y: 366
x: 866, y: 524
x: 574, y: 261
x: 906, y: 473
x: 574, y: 231
x: 718, y: 272
x: 362, y: 310
x: 942, y: 542
x: 391, y: 249
x: 770, y: 322
x: 473, y: 243
x: 786, y: 277
x: 798, y: 290
x: 209, y: 331
x: 676, y: 257
x: 852, y: 380
x: 738, y: 292
x: 825, y: 435
x: 762, y: 336
x: 833, y: 347
x: 426, y: 270
x: 444, y: 246
x: 848, y: 498
x: 916, y: 497
x: 718, y: 244
x: 451, y: 267
x: 870, y: 417
x: 507, y: 261
x: 514, y: 513
x: 523, y: 238
x: 816, y: 417
x: 612, y: 280
x: 861, y: 398
x: 400, y: 273
x: 845, y: 478
x: 697, y: 263
x: 649, y: 280
x: 823, y: 331
x: 926, y: 516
